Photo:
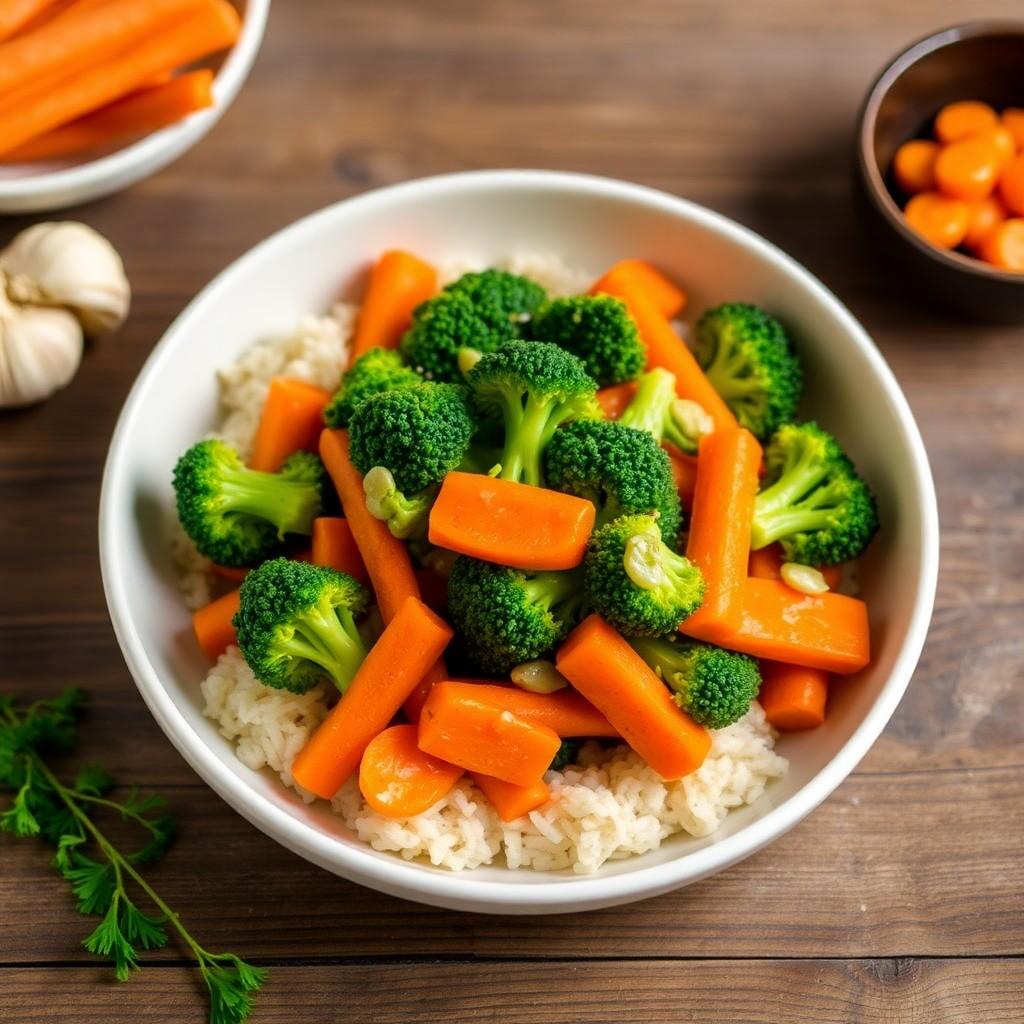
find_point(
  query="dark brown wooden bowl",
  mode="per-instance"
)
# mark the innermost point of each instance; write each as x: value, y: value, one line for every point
x: 982, y: 60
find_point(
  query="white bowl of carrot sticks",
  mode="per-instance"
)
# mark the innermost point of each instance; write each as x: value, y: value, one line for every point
x: 592, y: 223
x: 97, y: 94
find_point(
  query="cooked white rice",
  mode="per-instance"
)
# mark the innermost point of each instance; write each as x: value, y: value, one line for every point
x: 609, y: 806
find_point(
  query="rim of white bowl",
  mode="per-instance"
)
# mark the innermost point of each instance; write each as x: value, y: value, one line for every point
x: 461, y: 890
x: 159, y: 148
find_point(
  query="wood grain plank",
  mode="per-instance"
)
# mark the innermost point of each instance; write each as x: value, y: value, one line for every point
x: 899, y: 865
x: 727, y: 992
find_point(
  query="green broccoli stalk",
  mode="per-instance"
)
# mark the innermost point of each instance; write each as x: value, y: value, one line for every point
x: 379, y: 369
x: 296, y: 625
x: 635, y: 581
x: 749, y: 360
x: 535, y: 387
x: 480, y: 312
x: 404, y: 442
x: 620, y: 469
x: 507, y: 616
x: 599, y: 330
x: 813, y: 501
x: 238, y: 516
x: 656, y: 409
x: 713, y: 686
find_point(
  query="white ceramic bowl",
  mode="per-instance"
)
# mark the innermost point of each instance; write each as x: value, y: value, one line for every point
x: 591, y: 222
x: 52, y: 185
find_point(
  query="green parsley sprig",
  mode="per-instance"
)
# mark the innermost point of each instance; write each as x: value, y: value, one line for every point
x: 103, y: 877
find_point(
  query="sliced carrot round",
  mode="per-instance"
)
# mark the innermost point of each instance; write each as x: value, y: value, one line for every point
x: 985, y: 215
x: 968, y: 169
x: 399, y: 780
x: 913, y: 166
x: 1012, y: 120
x: 1003, y: 247
x: 960, y: 120
x: 1011, y: 185
x: 938, y: 219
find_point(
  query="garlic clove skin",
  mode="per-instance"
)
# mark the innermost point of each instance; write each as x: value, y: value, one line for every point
x: 40, y: 350
x: 68, y: 264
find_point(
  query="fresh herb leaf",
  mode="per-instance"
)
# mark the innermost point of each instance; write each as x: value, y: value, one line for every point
x: 232, y: 983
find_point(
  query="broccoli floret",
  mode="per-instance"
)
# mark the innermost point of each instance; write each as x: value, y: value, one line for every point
x: 238, y: 516
x: 634, y: 580
x: 507, y: 616
x: 535, y: 387
x: 656, y: 409
x: 749, y: 360
x: 417, y: 435
x: 379, y: 369
x: 565, y: 755
x: 713, y: 686
x: 296, y: 625
x: 599, y: 330
x: 813, y: 502
x: 621, y: 470
x: 517, y: 297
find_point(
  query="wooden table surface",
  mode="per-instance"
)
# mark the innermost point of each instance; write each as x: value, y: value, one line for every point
x: 900, y: 898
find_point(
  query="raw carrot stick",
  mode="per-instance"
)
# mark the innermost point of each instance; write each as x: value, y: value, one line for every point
x: 458, y: 727
x: 509, y: 800
x: 719, y: 540
x: 138, y: 114
x: 827, y: 631
x: 15, y: 14
x: 229, y: 573
x: 565, y: 712
x: 212, y: 625
x: 211, y: 28
x: 617, y: 681
x: 399, y: 282
x: 386, y: 558
x: 335, y: 547
x: 52, y: 10
x: 409, y: 645
x: 292, y: 420
x: 684, y: 472
x: 397, y: 779
x: 510, y: 523
x: 667, y: 297
x: 614, y: 399
x: 793, y: 697
x: 666, y: 349
x: 83, y: 39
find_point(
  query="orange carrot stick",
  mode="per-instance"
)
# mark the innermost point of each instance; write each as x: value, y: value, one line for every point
x: 292, y: 420
x: 509, y: 800
x: 480, y: 516
x: 640, y: 276
x: 719, y: 541
x: 793, y: 698
x: 614, y: 399
x: 479, y: 736
x: 335, y: 547
x: 138, y: 114
x: 666, y: 349
x: 684, y: 473
x: 409, y: 645
x: 826, y: 631
x: 617, y: 681
x: 565, y: 712
x: 212, y: 625
x: 82, y: 39
x: 397, y: 779
x: 26, y: 114
x: 386, y: 558
x: 15, y: 14
x: 399, y: 282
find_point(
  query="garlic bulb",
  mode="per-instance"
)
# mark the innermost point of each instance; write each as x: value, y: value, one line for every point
x: 69, y: 265
x: 40, y: 350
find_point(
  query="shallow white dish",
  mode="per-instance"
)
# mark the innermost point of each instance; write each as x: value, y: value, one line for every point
x: 53, y: 185
x: 590, y: 222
